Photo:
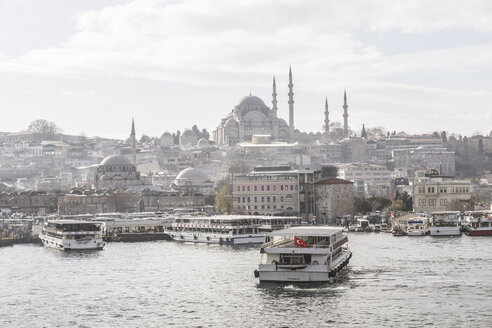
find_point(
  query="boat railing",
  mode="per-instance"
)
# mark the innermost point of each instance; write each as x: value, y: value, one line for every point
x: 290, y: 243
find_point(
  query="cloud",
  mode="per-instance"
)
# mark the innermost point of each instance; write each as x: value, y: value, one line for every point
x: 238, y: 43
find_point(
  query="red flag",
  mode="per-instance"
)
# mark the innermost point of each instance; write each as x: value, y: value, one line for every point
x: 299, y: 242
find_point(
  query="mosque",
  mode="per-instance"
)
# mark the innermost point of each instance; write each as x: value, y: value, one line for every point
x: 251, y: 117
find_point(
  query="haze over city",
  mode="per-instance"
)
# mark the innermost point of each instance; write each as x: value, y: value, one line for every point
x: 90, y: 66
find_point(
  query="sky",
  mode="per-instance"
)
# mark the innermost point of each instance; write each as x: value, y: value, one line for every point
x: 92, y: 65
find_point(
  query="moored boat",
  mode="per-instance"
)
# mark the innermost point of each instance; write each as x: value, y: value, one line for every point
x: 478, y: 223
x: 417, y: 227
x: 303, y: 254
x: 227, y: 229
x: 72, y: 235
x: 445, y: 223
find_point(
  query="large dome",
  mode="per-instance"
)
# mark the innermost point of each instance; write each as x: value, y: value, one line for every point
x: 251, y: 101
x: 116, y: 160
x: 192, y: 174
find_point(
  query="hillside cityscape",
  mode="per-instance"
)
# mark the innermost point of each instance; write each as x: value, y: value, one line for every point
x: 253, y: 162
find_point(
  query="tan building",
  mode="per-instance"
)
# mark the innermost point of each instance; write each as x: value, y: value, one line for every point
x: 432, y: 192
x: 73, y: 204
x: 333, y: 198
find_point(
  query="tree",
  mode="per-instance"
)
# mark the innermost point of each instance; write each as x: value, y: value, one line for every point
x: 43, y: 126
x: 223, y: 200
x: 145, y: 138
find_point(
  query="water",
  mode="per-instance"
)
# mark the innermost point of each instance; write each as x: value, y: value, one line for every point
x: 391, y: 281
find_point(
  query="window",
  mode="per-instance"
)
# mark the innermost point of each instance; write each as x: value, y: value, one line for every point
x: 249, y: 200
x: 262, y: 188
x: 248, y: 188
x: 262, y: 199
x: 239, y: 199
x: 296, y: 187
x: 443, y: 202
x: 282, y: 199
x: 256, y: 200
x: 238, y: 188
x: 274, y: 187
x: 243, y: 199
x: 256, y: 188
x: 268, y: 199
x: 244, y: 188
x: 274, y: 199
x: 282, y: 188
x: 432, y: 202
x: 268, y: 188
x: 291, y: 187
x: 421, y: 202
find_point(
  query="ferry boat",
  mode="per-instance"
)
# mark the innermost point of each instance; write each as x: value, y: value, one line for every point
x: 227, y: 229
x: 303, y: 254
x: 445, y: 223
x: 72, y: 235
x: 136, y: 229
x: 417, y: 227
x: 478, y: 223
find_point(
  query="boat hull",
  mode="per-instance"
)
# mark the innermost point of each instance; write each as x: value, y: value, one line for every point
x: 67, y: 245
x: 306, y: 273
x: 479, y: 232
x: 445, y: 231
x: 217, y: 238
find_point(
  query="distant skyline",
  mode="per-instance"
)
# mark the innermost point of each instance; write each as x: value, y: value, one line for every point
x: 92, y: 65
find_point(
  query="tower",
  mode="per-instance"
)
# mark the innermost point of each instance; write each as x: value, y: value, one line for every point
x: 363, y: 134
x: 291, y: 104
x: 327, y: 119
x: 274, y: 98
x: 133, y: 143
x: 345, y: 114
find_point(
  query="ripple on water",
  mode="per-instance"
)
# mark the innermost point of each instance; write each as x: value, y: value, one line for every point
x: 389, y: 282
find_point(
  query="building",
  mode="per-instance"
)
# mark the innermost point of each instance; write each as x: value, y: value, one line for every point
x: 433, y: 192
x: 439, y: 159
x: 74, y: 204
x: 116, y: 171
x: 363, y: 175
x: 275, y: 190
x: 333, y: 198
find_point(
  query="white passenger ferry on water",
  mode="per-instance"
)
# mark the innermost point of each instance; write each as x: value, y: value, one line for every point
x: 72, y: 235
x: 445, y: 223
x: 417, y: 226
x: 227, y: 229
x: 303, y: 254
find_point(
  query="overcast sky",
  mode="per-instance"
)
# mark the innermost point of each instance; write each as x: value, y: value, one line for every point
x: 90, y: 65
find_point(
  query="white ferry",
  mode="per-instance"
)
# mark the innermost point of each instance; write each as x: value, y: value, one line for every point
x: 445, y: 223
x: 226, y: 229
x: 417, y: 227
x: 138, y: 229
x: 478, y: 223
x: 72, y: 235
x: 303, y: 254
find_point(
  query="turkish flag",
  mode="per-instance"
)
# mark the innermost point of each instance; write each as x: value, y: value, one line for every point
x: 299, y: 242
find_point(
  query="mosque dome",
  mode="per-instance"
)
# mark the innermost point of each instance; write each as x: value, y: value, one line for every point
x: 231, y: 121
x: 191, y: 175
x: 203, y: 143
x: 116, y: 160
x: 251, y: 101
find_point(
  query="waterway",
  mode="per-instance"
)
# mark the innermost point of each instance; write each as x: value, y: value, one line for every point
x: 390, y: 282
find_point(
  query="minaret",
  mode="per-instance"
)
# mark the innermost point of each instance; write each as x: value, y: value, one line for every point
x: 363, y: 134
x: 133, y: 143
x: 274, y: 98
x: 291, y: 104
x: 327, y: 119
x: 345, y: 114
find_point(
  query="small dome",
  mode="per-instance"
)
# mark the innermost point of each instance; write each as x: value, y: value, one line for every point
x: 231, y: 121
x: 251, y: 101
x: 116, y: 160
x: 192, y: 174
x: 203, y: 143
